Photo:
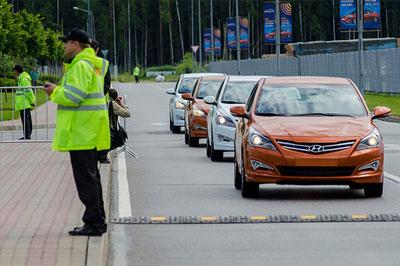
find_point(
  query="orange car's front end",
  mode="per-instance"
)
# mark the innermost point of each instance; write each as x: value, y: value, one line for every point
x: 197, y: 117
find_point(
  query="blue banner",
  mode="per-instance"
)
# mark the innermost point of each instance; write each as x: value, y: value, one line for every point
x: 269, y: 23
x: 286, y: 22
x: 244, y: 33
x: 372, y: 14
x: 217, y: 42
x: 348, y: 14
x: 231, y: 33
x: 207, y: 41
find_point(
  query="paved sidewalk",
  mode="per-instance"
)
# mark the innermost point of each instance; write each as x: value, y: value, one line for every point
x: 39, y: 205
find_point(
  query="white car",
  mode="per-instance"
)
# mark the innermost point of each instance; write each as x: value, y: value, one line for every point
x: 177, y: 105
x: 220, y: 123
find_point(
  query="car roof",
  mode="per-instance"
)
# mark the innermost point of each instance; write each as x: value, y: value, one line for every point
x: 308, y: 80
x: 197, y: 75
x: 213, y: 77
x: 246, y: 78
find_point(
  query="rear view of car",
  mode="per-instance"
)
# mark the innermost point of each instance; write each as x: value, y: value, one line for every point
x: 197, y: 110
x: 220, y: 123
x: 308, y: 130
x: 177, y: 105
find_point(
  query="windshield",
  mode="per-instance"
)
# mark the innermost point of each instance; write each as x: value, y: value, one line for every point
x: 187, y: 85
x: 237, y: 91
x: 310, y: 99
x: 208, y: 88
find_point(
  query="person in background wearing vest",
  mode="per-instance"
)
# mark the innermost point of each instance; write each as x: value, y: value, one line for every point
x: 102, y: 155
x: 34, y: 75
x: 82, y: 126
x: 24, y: 100
x: 136, y: 73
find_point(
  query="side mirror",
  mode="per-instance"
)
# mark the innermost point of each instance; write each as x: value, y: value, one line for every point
x: 238, y: 111
x: 187, y: 96
x: 210, y: 100
x: 380, y: 111
x: 171, y: 92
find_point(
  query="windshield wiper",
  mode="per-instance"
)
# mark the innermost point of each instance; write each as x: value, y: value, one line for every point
x: 322, y: 114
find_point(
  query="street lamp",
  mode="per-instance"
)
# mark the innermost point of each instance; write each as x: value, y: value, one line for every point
x: 90, y: 21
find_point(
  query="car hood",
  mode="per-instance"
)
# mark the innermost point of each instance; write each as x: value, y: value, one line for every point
x: 327, y: 128
x: 202, y: 105
x: 225, y: 109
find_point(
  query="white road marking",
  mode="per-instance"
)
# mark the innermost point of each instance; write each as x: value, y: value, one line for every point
x: 392, y: 177
x: 159, y: 124
x: 392, y: 147
x: 124, y: 199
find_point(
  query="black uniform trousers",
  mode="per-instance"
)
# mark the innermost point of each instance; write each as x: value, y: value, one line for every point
x: 26, y: 120
x: 88, y: 184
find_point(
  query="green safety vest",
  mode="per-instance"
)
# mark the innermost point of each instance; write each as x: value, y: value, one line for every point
x: 24, y: 98
x: 82, y: 115
x: 136, y: 71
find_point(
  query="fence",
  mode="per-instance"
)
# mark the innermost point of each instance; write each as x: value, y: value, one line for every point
x: 381, y: 67
x: 43, y: 116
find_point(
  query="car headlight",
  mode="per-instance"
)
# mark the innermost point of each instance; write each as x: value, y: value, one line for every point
x: 198, y: 112
x: 179, y: 105
x: 373, y: 140
x: 258, y: 140
x: 224, y: 120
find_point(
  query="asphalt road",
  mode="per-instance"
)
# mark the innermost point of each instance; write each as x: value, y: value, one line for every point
x: 171, y: 179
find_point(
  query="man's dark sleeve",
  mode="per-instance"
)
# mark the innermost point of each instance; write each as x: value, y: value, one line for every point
x: 107, y: 81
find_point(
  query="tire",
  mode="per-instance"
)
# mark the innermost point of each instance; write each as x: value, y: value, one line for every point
x: 171, y: 125
x: 208, y: 150
x: 193, y: 142
x: 186, y: 137
x: 249, y: 190
x: 175, y: 129
x: 373, y: 190
x: 356, y: 186
x: 237, y: 176
x: 216, y: 156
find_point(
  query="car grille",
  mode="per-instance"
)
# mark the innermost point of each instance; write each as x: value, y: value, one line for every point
x: 315, y: 148
x: 315, y: 171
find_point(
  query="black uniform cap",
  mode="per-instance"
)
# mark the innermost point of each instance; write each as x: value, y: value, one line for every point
x: 76, y: 35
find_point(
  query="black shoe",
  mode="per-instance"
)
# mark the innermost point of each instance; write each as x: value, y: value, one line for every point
x: 88, y: 230
x: 102, y: 228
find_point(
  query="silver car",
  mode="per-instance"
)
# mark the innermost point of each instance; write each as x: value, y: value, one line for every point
x: 177, y: 105
x: 220, y: 123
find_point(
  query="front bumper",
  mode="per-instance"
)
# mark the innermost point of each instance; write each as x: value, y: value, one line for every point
x: 179, y: 117
x: 198, y: 127
x: 301, y: 168
x: 223, y: 138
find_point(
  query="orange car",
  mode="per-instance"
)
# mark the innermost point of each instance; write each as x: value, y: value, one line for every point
x: 197, y: 110
x: 308, y: 130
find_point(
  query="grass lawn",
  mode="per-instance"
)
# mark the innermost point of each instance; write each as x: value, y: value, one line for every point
x: 380, y: 99
x: 6, y: 105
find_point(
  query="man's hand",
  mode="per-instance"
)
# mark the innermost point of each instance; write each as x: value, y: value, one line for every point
x: 49, y: 88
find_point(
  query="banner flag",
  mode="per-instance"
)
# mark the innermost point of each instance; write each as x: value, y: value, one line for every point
x: 286, y: 23
x: 231, y: 33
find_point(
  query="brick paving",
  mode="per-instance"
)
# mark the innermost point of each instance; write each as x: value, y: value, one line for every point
x: 38, y: 206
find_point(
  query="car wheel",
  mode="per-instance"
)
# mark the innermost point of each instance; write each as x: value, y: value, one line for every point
x: 208, y: 150
x: 175, y: 129
x: 186, y: 137
x: 373, y: 190
x: 171, y: 125
x: 356, y: 186
x: 193, y: 142
x: 216, y: 156
x: 249, y: 190
x: 236, y: 173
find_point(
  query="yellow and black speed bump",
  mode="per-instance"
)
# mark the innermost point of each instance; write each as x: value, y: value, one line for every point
x: 306, y: 218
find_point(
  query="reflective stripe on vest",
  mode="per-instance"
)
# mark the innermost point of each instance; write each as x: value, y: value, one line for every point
x: 83, y: 107
x: 103, y: 70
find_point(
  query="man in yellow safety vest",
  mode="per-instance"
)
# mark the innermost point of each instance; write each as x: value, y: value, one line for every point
x: 82, y: 125
x: 24, y: 100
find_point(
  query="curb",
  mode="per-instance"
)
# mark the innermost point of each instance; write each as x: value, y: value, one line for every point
x: 98, y: 246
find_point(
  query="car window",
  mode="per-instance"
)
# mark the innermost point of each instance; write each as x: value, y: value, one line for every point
x: 187, y: 85
x: 208, y: 88
x: 309, y: 99
x: 251, y: 98
x: 237, y: 91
